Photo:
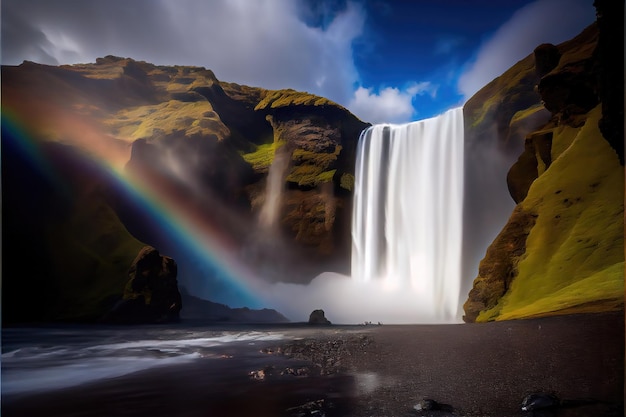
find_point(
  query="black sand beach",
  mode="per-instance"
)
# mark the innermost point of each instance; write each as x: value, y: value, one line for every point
x: 475, y: 369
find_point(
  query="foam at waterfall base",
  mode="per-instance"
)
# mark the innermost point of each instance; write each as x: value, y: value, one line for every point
x: 350, y: 301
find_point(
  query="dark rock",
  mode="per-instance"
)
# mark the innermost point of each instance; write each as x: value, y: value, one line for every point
x: 547, y: 57
x: 151, y: 294
x: 330, y: 356
x: 318, y: 408
x: 610, y: 60
x: 569, y: 92
x: 499, y: 267
x: 571, y: 88
x: 428, y: 405
x: 539, y: 401
x: 318, y: 317
x: 261, y: 374
x: 525, y: 171
x: 301, y: 371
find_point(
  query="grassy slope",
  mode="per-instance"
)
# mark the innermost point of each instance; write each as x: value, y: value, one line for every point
x: 284, y: 98
x: 192, y: 118
x: 574, y: 258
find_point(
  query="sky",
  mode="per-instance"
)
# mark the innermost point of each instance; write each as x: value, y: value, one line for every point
x: 386, y: 61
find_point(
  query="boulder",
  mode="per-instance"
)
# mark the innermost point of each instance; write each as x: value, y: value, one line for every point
x: 547, y: 57
x: 151, y: 294
x: 318, y: 317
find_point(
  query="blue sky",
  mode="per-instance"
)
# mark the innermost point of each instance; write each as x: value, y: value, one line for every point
x: 386, y: 61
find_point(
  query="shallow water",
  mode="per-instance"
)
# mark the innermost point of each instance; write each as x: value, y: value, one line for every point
x: 194, y: 369
x: 181, y: 369
x: 43, y: 359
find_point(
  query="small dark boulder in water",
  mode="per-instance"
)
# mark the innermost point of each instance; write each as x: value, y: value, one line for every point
x: 539, y: 401
x: 318, y: 317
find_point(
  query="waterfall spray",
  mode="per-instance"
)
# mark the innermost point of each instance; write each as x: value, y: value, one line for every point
x: 274, y: 190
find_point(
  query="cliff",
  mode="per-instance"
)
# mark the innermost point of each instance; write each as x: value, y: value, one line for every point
x: 562, y: 250
x: 82, y: 142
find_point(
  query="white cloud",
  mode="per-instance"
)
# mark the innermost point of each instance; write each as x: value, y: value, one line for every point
x: 264, y: 43
x: 261, y: 43
x: 389, y: 105
x: 544, y: 21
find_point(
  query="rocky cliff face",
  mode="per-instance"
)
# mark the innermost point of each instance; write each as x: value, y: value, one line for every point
x: 562, y: 249
x: 272, y: 169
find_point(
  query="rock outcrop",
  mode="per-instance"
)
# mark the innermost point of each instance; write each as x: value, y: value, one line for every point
x: 151, y: 294
x: 562, y: 249
x: 318, y: 317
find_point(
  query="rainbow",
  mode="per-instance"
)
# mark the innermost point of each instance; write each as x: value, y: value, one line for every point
x: 185, y: 226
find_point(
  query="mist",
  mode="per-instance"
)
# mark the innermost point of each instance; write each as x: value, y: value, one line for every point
x: 350, y: 301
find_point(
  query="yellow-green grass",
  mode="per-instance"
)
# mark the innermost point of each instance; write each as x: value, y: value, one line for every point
x: 574, y: 255
x: 347, y: 181
x: 190, y: 118
x: 320, y: 159
x: 263, y: 156
x: 313, y: 168
x: 523, y: 114
x: 310, y: 175
x: 326, y: 176
x: 510, y: 84
x: 289, y: 97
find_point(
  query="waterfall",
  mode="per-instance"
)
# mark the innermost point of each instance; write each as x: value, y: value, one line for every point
x: 270, y: 209
x: 407, y: 220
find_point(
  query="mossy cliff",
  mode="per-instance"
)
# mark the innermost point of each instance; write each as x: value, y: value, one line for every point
x: 176, y: 130
x: 562, y: 250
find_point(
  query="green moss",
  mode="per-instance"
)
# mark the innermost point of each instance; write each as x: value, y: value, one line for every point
x: 313, y: 168
x: 305, y: 175
x: 326, y: 176
x: 321, y: 159
x: 523, y: 114
x: 512, y: 85
x: 602, y: 289
x: 541, y: 166
x: 575, y: 252
x: 263, y: 156
x: 562, y: 139
x: 191, y: 118
x: 347, y: 181
x: 282, y: 98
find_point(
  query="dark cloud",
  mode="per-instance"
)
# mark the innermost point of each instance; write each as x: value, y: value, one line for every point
x: 21, y: 40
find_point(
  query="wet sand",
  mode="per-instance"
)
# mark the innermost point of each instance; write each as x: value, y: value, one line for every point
x: 486, y: 369
x: 477, y: 369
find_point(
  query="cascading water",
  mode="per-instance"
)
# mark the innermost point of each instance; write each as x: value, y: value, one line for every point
x: 274, y: 190
x: 408, y: 208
